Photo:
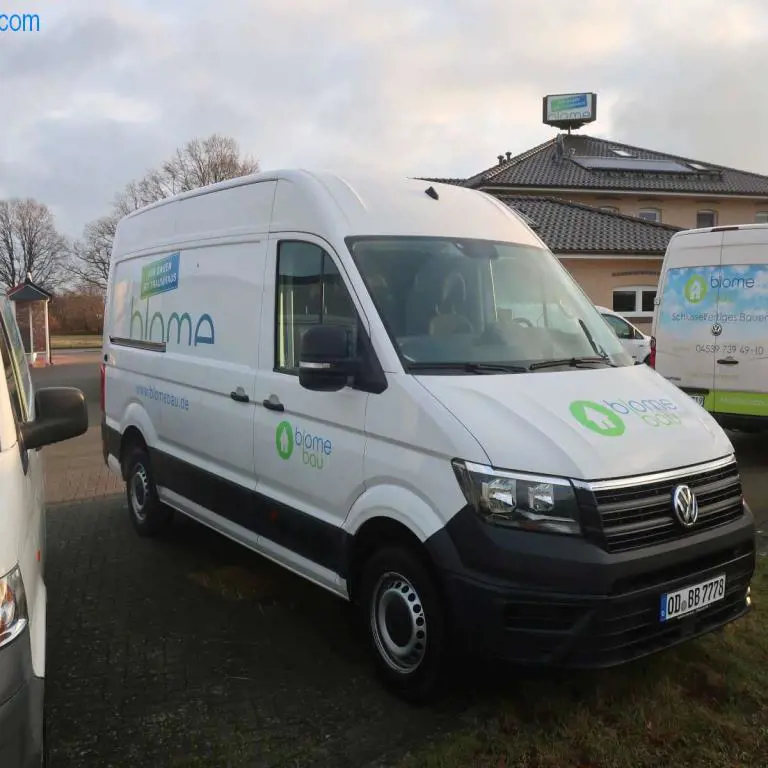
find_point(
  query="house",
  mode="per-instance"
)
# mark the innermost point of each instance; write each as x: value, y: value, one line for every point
x: 614, y: 257
x: 669, y: 192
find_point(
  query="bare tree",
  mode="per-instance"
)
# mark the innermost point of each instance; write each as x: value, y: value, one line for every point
x: 198, y: 163
x: 91, y: 262
x: 30, y: 244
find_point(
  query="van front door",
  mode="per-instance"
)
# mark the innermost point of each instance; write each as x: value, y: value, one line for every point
x: 309, y: 445
x: 741, y: 362
x: 687, y: 328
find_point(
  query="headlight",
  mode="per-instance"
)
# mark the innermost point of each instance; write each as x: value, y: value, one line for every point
x: 518, y: 500
x: 13, y: 606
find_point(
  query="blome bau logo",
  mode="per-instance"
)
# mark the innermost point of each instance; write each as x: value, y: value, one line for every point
x: 726, y: 295
x: 609, y: 418
x: 159, y: 277
x: 312, y: 448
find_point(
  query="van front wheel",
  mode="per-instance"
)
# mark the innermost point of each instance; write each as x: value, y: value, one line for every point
x: 405, y: 623
x: 148, y: 515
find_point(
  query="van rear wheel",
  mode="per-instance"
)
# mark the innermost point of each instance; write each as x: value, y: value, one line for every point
x: 405, y: 623
x: 148, y: 515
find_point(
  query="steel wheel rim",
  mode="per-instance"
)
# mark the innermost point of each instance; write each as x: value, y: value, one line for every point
x: 139, y: 492
x: 396, y: 602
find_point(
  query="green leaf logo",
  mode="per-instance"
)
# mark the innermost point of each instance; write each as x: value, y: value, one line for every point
x: 695, y: 289
x: 284, y: 440
x: 597, y: 418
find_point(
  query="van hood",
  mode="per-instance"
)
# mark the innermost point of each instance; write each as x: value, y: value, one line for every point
x: 583, y: 424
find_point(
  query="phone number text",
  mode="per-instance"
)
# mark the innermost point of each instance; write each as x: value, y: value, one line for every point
x: 731, y: 349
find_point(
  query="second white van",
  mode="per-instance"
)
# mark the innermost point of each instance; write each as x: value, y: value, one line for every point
x: 710, y: 327
x: 395, y: 390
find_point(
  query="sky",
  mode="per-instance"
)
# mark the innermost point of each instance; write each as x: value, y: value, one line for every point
x: 106, y: 90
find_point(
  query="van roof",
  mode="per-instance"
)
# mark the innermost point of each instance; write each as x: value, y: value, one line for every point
x: 719, y: 228
x: 327, y: 204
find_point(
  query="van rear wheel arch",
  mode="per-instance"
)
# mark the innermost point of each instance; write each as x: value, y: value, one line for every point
x: 132, y: 438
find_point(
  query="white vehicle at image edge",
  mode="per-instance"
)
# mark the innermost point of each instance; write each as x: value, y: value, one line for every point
x: 710, y: 328
x: 395, y: 390
x: 29, y: 420
x: 634, y: 341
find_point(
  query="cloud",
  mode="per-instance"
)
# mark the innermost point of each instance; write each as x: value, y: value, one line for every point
x: 425, y: 87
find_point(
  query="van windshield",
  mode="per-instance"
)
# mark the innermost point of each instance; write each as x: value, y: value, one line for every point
x: 479, y: 306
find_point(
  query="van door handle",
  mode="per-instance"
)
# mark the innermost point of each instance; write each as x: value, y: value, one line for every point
x: 240, y: 396
x: 726, y: 361
x: 273, y: 403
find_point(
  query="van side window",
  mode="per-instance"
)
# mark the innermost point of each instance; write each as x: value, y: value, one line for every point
x: 11, y: 377
x: 310, y: 291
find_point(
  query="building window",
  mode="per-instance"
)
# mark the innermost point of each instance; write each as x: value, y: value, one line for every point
x: 650, y: 214
x: 634, y: 301
x: 761, y: 217
x: 706, y: 219
x: 310, y: 291
x: 609, y: 208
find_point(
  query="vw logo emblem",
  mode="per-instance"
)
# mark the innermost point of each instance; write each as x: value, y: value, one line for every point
x: 717, y: 329
x: 685, y: 505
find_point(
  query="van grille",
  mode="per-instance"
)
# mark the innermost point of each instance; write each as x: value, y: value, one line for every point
x: 642, y: 515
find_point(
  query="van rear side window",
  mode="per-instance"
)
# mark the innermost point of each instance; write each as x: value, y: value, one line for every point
x: 310, y: 291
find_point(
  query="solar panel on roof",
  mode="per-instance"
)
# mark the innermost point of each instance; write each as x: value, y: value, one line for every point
x: 631, y: 164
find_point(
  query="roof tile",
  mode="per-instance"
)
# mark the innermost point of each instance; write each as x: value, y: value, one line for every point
x: 568, y: 227
x: 555, y: 164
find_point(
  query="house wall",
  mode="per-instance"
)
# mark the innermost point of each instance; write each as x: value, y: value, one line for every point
x: 600, y: 277
x: 678, y: 211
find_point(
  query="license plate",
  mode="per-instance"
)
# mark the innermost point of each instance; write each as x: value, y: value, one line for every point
x: 697, y: 399
x: 692, y: 598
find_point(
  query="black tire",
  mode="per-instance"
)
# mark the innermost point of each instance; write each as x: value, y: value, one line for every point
x: 148, y: 515
x: 400, y: 597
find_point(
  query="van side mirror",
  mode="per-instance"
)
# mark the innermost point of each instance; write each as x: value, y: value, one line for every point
x: 325, y: 364
x: 60, y: 414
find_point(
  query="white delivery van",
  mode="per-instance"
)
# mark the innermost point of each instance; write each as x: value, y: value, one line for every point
x: 29, y: 420
x: 333, y: 371
x: 710, y: 327
x: 634, y: 341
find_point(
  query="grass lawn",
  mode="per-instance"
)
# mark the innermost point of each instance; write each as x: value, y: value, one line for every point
x: 703, y: 704
x: 76, y: 342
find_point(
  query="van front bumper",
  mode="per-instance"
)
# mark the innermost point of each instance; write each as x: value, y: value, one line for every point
x: 561, y: 601
x: 21, y: 707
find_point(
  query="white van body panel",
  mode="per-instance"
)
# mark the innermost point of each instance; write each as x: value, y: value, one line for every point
x: 408, y: 474
x: 526, y: 424
x: 22, y: 509
x: 711, y: 326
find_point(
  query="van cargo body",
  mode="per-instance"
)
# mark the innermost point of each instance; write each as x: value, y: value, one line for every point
x: 393, y: 389
x: 710, y: 326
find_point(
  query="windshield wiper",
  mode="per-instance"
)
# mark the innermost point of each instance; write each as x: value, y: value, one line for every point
x: 572, y: 362
x: 468, y: 367
x: 591, y: 339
